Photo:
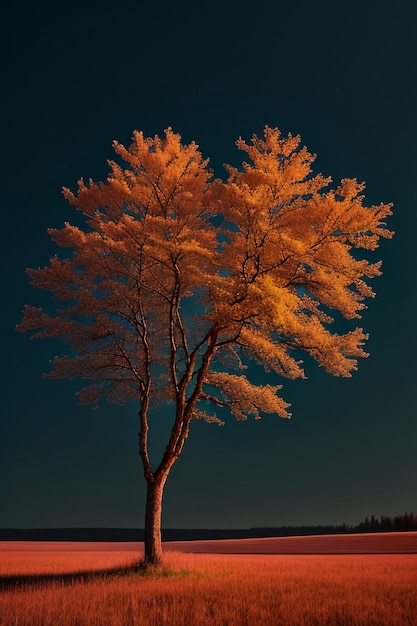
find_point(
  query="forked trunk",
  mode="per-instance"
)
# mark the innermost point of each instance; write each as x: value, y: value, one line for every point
x: 153, y: 541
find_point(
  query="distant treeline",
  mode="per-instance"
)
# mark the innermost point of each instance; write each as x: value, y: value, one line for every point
x: 405, y: 522
x: 400, y: 523
x: 168, y: 534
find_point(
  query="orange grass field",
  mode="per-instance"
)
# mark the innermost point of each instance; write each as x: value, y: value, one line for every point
x: 52, y: 584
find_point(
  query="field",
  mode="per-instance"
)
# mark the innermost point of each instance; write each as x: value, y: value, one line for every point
x: 48, y: 584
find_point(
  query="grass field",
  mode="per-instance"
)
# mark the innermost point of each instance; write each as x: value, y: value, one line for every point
x: 207, y: 589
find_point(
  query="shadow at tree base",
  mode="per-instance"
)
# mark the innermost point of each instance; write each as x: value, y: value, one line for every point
x: 22, y: 582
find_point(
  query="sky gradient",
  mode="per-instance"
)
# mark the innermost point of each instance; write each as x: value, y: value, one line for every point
x: 346, y: 82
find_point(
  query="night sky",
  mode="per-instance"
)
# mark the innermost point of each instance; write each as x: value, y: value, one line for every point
x: 344, y: 79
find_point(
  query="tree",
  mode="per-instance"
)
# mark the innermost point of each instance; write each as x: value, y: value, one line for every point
x: 178, y: 280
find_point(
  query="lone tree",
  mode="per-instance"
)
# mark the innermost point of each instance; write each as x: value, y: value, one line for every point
x: 177, y: 280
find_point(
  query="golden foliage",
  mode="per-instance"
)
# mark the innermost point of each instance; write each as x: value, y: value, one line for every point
x: 156, y: 295
x: 244, y: 399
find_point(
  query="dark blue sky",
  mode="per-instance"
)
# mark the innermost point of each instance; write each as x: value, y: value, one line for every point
x: 342, y: 78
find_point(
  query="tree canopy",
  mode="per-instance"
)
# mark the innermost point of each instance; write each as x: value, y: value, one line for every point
x: 153, y: 283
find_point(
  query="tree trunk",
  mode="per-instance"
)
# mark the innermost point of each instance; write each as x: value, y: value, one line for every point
x: 153, y: 542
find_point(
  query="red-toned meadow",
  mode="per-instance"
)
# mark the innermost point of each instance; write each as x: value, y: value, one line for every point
x: 305, y: 588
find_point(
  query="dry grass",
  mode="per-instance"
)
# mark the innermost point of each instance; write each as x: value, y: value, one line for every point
x: 214, y: 590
